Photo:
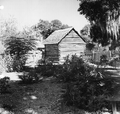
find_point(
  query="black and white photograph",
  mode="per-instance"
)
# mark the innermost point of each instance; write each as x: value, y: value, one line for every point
x: 59, y: 56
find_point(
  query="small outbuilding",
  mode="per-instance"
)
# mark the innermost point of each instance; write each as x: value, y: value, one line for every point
x: 62, y: 43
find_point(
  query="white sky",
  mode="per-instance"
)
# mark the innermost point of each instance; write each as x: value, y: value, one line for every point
x: 28, y: 12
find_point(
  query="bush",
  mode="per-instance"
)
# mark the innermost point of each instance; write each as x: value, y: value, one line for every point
x: 103, y: 59
x: 15, y: 64
x: 46, y: 68
x: 72, y: 68
x: 18, y: 63
x: 115, y: 61
x: 17, y: 48
x: 85, y: 88
x: 4, y: 85
x: 30, y: 77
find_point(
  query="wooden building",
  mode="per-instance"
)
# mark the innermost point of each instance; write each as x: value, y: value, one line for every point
x: 62, y: 43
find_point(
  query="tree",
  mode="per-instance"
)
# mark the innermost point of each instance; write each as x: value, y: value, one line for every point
x: 86, y: 30
x: 90, y: 46
x: 46, y: 28
x: 8, y: 28
x: 85, y: 33
x: 104, y: 19
x: 17, y: 48
x: 31, y: 33
x: 56, y: 24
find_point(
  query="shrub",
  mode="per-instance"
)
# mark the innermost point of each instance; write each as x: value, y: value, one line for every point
x: 18, y: 63
x: 103, y: 59
x: 88, y: 94
x: 8, y: 61
x: 46, y: 68
x: 72, y: 68
x: 17, y: 48
x: 115, y: 61
x: 4, y: 85
x: 85, y: 88
x: 15, y: 64
x: 29, y: 77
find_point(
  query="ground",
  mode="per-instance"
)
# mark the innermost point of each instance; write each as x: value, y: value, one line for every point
x: 39, y: 98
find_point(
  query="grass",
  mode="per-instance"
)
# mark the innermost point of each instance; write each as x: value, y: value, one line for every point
x: 38, y: 98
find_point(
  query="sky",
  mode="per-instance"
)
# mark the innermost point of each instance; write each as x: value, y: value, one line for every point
x: 29, y: 12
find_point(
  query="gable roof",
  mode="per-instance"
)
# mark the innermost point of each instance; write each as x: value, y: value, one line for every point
x: 58, y: 35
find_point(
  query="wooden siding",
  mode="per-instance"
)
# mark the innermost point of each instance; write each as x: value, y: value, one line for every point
x: 70, y: 45
x: 62, y: 43
x: 72, y: 37
x: 51, y: 52
x: 70, y: 49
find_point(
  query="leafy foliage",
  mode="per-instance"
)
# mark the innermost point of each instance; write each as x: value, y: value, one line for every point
x: 115, y: 61
x: 90, y: 46
x: 104, y: 18
x: 18, y: 63
x: 29, y: 77
x: 17, y: 48
x: 46, y: 68
x: 4, y: 85
x: 71, y: 67
x: 8, y: 28
x: 89, y: 96
x: 103, y: 59
x: 85, y: 88
x: 85, y: 30
x: 46, y: 27
x: 85, y: 33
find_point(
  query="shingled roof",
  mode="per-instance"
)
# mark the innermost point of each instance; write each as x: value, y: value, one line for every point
x: 58, y: 35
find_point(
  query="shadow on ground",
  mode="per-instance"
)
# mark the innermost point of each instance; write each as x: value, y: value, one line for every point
x: 39, y: 98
